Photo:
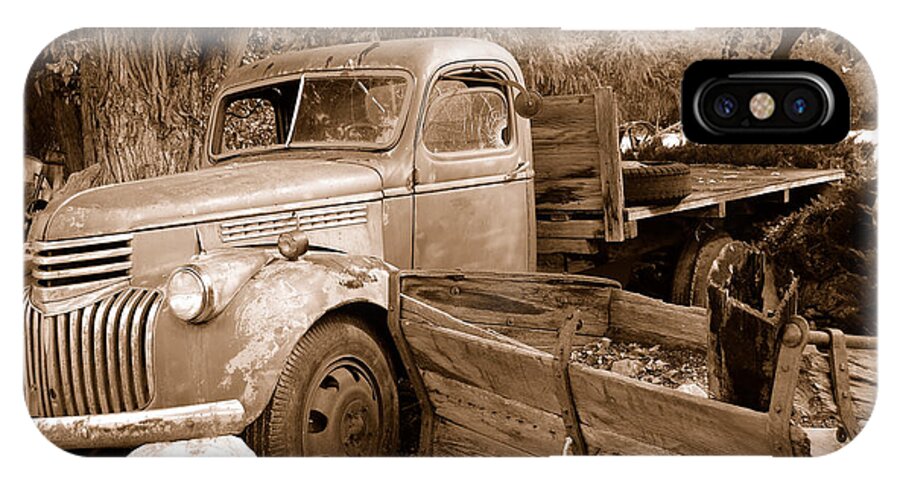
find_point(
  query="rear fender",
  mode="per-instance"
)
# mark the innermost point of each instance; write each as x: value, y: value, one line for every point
x: 240, y: 353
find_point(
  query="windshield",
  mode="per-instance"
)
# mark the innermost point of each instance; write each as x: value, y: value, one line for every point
x: 364, y: 110
x: 359, y: 110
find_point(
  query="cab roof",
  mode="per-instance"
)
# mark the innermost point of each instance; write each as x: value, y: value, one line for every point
x: 420, y: 56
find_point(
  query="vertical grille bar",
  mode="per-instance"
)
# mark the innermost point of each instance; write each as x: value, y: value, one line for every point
x: 87, y: 359
x: 30, y: 381
x: 147, y: 341
x: 126, y: 374
x: 64, y: 394
x: 138, y: 367
x: 54, y: 386
x: 112, y: 352
x: 100, y: 358
x: 77, y: 371
x: 39, y: 366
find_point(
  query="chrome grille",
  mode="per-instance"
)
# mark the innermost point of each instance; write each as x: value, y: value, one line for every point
x: 91, y: 360
x: 273, y: 225
x: 82, y: 262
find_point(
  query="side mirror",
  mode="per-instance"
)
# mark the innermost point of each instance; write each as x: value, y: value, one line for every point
x: 528, y: 103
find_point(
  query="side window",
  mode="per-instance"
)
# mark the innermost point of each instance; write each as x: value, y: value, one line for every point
x: 466, y: 117
x: 249, y: 123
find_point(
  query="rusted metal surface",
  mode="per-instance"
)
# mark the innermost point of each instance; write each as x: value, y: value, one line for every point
x: 478, y: 228
x: 823, y: 339
x: 240, y: 352
x: 130, y: 429
x: 784, y: 438
x: 209, y: 194
x: 840, y: 382
x: 563, y: 353
x: 416, y: 55
x: 397, y: 231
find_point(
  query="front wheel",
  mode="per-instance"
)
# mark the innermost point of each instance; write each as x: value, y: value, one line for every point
x: 337, y: 396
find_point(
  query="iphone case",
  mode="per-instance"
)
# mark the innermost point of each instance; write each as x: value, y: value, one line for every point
x: 443, y: 242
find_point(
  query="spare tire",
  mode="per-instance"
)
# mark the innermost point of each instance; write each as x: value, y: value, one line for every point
x: 655, y: 183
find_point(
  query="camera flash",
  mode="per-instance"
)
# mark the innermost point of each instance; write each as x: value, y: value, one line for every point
x: 762, y: 105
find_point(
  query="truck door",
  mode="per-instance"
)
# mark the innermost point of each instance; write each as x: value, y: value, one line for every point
x: 474, y: 188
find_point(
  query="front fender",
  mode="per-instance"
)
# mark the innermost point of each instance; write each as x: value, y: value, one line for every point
x: 240, y: 352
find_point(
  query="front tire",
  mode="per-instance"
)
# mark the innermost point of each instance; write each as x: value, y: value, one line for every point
x: 337, y: 396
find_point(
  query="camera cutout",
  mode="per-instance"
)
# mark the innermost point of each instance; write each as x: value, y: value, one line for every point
x: 763, y: 101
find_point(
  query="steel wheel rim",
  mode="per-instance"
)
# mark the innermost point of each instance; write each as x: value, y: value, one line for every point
x: 343, y: 412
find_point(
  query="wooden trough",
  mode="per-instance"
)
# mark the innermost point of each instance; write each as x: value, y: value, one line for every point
x: 488, y: 355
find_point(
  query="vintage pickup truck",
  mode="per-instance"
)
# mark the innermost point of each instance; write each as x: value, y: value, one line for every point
x: 252, y: 296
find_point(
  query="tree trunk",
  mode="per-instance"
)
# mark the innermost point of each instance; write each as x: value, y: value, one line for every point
x: 146, y: 95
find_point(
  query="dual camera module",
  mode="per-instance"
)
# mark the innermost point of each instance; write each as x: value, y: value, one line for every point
x: 763, y: 101
x: 800, y: 105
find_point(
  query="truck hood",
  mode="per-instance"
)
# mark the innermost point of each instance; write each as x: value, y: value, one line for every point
x: 219, y: 192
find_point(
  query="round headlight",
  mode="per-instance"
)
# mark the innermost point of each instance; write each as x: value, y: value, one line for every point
x: 188, y: 294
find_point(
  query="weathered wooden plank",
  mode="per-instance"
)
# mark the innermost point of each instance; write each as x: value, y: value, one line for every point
x: 609, y: 166
x: 592, y: 228
x: 568, y: 194
x: 541, y: 339
x: 603, y: 441
x: 814, y: 388
x: 720, y: 184
x: 427, y: 315
x: 506, y: 370
x: 564, y: 119
x: 515, y: 300
x: 634, y: 317
x: 568, y: 164
x: 567, y: 154
x: 551, y: 263
x: 719, y: 210
x: 507, y: 421
x: 671, y: 420
x: 567, y: 245
x: 452, y: 440
x: 748, y: 346
x: 743, y: 341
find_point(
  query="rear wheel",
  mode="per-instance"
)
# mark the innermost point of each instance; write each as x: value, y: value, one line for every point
x: 337, y: 396
x: 692, y: 270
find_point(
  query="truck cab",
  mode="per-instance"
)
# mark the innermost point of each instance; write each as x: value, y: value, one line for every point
x: 151, y: 297
x: 433, y: 120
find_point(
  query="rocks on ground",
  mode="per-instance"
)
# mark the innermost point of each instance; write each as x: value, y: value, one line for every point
x: 673, y: 368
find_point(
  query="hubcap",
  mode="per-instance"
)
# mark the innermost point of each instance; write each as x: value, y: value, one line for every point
x: 343, y: 415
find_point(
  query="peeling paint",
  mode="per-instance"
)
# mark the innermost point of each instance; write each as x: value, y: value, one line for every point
x: 281, y: 303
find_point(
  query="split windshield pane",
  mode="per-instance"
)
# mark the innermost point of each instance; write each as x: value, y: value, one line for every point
x: 363, y: 111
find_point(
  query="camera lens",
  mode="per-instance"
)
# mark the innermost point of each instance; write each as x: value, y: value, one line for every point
x: 801, y: 105
x: 725, y: 105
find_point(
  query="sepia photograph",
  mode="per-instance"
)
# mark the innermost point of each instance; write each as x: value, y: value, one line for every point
x: 499, y: 242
